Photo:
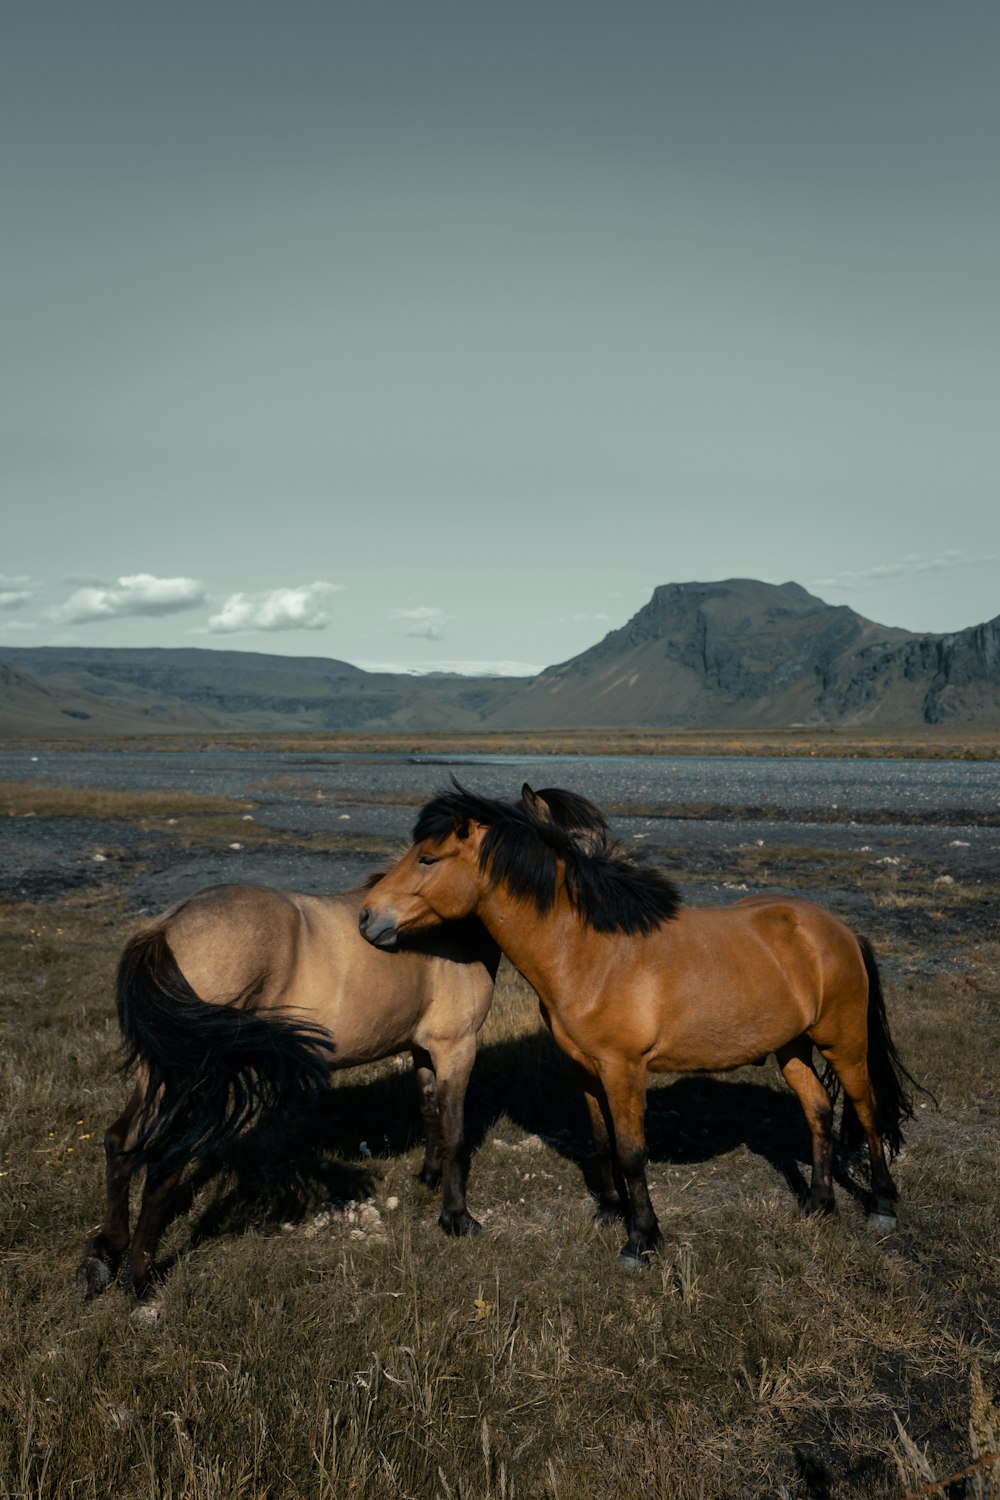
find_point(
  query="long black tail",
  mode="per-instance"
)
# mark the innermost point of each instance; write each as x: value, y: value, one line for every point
x: 893, y: 1102
x: 211, y: 1069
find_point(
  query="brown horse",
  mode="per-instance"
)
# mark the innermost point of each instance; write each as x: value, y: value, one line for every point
x: 242, y: 999
x: 631, y: 982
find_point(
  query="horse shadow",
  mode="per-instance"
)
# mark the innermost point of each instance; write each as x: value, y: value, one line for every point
x: 690, y: 1120
x: 289, y: 1166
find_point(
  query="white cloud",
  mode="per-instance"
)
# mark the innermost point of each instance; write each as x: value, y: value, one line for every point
x: 16, y: 627
x: 140, y: 594
x: 298, y: 608
x: 908, y: 567
x: 425, y: 621
x: 15, y: 591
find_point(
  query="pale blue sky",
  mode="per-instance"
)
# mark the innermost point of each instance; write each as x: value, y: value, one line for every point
x: 416, y: 332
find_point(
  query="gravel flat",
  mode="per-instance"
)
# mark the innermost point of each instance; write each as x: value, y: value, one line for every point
x: 809, y: 826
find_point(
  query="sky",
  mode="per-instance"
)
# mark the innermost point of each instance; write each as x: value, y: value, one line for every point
x: 442, y: 333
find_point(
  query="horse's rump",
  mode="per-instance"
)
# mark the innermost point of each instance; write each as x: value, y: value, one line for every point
x: 210, y: 1067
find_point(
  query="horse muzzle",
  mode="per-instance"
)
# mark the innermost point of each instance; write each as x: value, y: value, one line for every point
x: 379, y: 929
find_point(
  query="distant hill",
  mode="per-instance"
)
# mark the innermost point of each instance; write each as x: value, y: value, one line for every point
x: 123, y: 690
x: 736, y: 654
x: 744, y: 654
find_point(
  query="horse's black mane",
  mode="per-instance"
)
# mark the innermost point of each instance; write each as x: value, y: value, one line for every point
x: 522, y: 849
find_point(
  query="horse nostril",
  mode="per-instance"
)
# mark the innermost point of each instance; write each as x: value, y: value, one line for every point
x: 364, y: 917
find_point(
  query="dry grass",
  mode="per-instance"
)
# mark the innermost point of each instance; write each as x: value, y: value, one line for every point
x: 300, y: 1348
x: 948, y: 742
x: 22, y: 799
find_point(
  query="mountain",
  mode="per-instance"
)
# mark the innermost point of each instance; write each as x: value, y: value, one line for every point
x: 736, y: 654
x: 744, y: 654
x: 136, y: 690
x: 30, y: 706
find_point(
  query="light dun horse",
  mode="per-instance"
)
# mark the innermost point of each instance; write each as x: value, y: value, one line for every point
x: 242, y: 999
x: 631, y: 982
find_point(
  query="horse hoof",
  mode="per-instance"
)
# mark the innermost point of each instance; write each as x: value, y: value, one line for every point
x: 825, y: 1208
x: 93, y: 1276
x: 429, y: 1177
x: 607, y: 1218
x: 630, y: 1261
x: 459, y: 1224
x: 882, y: 1222
x: 138, y: 1286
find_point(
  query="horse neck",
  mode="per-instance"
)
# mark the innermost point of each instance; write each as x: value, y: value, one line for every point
x: 542, y: 947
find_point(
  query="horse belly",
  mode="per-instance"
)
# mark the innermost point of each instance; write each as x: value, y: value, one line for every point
x: 739, y: 1020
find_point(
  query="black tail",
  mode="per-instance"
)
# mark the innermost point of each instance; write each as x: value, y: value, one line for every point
x: 211, y: 1069
x: 889, y: 1077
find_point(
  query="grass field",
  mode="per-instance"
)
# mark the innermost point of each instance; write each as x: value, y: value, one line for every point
x: 317, y: 1336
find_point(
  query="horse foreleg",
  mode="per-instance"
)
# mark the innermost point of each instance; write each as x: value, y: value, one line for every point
x: 430, y: 1172
x: 625, y: 1090
x: 609, y: 1204
x: 104, y: 1250
x: 795, y: 1062
x: 452, y: 1066
x: 155, y: 1210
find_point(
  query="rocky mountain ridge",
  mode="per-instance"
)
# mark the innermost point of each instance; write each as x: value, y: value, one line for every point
x: 741, y: 653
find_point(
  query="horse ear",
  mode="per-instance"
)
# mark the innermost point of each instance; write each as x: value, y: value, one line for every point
x: 464, y: 826
x: 536, y: 804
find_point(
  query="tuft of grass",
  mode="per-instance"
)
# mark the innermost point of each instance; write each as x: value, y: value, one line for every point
x: 918, y: 1474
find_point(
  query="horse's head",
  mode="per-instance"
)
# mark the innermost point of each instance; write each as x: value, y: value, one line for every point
x: 437, y: 880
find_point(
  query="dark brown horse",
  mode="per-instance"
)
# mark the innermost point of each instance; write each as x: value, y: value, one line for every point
x: 630, y: 982
x: 242, y: 999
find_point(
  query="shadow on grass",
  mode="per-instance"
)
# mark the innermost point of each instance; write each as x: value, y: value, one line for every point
x: 285, y: 1168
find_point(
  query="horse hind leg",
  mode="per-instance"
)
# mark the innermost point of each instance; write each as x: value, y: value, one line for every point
x: 103, y: 1252
x: 156, y: 1209
x: 796, y: 1064
x: 857, y: 1086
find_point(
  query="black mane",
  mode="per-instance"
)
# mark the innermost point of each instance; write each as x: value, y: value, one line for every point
x: 522, y: 850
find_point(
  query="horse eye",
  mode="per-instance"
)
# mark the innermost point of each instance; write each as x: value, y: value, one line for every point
x: 427, y: 859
